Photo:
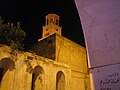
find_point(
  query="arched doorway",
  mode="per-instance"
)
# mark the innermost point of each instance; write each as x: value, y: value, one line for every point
x: 60, y: 81
x: 6, y: 66
x: 1, y: 74
x: 38, y: 78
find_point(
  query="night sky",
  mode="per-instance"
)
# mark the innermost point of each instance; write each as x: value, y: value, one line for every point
x: 32, y: 14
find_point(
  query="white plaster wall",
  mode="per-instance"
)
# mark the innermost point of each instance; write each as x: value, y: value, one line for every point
x: 106, y: 78
x: 101, y: 26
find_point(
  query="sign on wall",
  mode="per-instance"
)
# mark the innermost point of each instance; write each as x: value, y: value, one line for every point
x: 107, y: 77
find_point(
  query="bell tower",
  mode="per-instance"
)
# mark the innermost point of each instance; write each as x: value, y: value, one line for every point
x: 51, y: 26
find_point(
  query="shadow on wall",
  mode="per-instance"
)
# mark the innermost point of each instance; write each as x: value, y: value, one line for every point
x: 6, y: 64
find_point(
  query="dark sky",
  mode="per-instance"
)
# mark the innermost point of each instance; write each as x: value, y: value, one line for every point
x: 31, y: 14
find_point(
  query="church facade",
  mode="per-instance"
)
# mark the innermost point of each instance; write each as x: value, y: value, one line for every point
x: 56, y: 63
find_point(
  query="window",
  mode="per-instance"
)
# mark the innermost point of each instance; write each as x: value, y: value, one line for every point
x: 46, y: 29
x: 47, y: 34
x: 51, y: 20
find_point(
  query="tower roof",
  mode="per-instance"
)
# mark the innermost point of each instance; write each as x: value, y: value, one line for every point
x: 51, y: 26
x: 52, y: 15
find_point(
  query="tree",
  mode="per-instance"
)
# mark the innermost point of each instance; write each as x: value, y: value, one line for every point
x: 11, y: 35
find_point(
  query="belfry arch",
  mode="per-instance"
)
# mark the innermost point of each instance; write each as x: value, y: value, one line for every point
x: 37, y: 78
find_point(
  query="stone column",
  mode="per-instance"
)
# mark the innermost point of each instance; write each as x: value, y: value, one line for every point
x: 101, y: 26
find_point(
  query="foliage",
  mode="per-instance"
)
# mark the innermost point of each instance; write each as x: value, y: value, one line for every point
x: 12, y: 35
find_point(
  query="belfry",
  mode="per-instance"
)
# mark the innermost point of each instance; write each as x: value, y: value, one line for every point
x: 51, y: 26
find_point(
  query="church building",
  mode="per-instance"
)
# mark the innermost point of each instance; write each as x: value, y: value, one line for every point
x: 55, y: 63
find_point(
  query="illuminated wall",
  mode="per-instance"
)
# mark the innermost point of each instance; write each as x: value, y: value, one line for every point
x: 28, y: 71
x: 63, y: 50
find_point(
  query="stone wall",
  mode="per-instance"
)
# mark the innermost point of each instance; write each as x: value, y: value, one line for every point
x: 19, y: 76
x: 72, y: 54
x: 63, y: 50
x: 27, y: 71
